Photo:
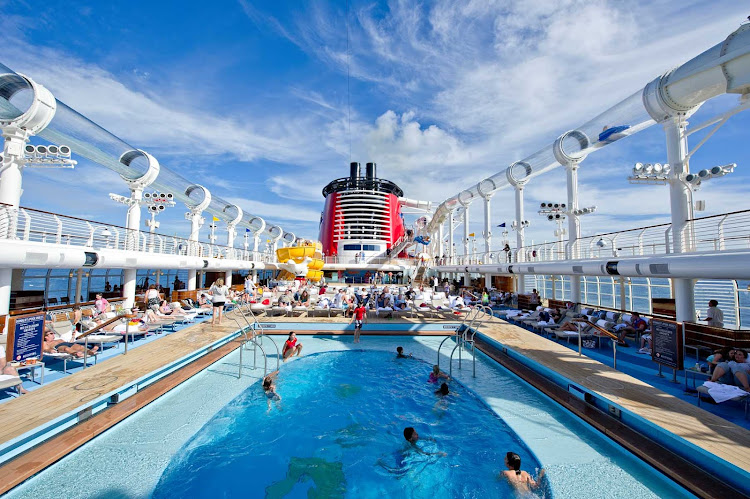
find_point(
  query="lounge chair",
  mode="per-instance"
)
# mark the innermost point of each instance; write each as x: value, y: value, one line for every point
x: 567, y: 335
x: 742, y: 399
x: 9, y: 381
x: 66, y: 357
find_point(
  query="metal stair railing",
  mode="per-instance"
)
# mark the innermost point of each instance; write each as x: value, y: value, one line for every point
x: 253, y: 338
x: 464, y: 339
x: 459, y: 331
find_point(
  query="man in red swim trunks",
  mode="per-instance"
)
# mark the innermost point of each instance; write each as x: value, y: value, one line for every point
x: 358, y: 318
x: 291, y: 346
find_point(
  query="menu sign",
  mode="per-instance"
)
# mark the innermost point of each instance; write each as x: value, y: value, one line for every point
x: 666, y: 343
x: 25, y: 335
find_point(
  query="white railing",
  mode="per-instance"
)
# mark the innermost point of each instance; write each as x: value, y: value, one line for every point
x: 27, y: 224
x: 727, y: 231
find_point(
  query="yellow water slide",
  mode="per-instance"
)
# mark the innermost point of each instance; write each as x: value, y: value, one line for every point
x: 313, y: 250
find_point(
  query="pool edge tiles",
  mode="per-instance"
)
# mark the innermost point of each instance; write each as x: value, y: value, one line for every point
x: 728, y: 472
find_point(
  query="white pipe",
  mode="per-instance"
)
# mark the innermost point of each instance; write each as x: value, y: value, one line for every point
x: 724, y: 68
x: 415, y: 203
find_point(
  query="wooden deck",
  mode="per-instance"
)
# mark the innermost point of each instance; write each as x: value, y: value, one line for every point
x: 708, y: 431
x: 712, y: 433
x: 55, y: 399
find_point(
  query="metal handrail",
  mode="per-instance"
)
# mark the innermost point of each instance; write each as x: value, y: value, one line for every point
x: 255, y: 327
x: 602, y: 332
x: 265, y: 357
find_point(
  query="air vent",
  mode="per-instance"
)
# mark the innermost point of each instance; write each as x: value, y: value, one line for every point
x: 611, y: 268
x: 659, y: 268
x: 530, y: 270
x: 578, y: 269
x: 638, y: 269
x: 35, y: 258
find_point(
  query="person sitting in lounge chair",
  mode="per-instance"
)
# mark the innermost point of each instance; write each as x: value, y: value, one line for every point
x: 637, y: 324
x: 735, y: 370
x: 51, y: 345
x: 8, y: 370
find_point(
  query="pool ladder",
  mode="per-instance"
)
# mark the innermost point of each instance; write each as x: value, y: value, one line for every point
x: 256, y: 338
x: 464, y: 336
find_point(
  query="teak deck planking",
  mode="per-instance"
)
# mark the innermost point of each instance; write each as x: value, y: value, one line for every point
x: 714, y: 434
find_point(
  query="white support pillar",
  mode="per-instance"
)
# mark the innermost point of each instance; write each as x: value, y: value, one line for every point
x: 487, y: 227
x: 466, y: 230
x: 520, y: 235
x: 574, y: 227
x: 451, y: 240
x: 467, y: 276
x: 133, y: 225
x: 681, y: 204
x: 196, y: 222
x: 441, y: 244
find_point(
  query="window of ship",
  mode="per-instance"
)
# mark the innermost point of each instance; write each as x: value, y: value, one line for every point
x: 363, y: 247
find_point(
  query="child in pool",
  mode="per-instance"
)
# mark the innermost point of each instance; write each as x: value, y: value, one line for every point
x: 436, y: 374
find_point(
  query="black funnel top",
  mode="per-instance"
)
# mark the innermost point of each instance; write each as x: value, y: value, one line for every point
x: 372, y: 171
x: 354, y: 170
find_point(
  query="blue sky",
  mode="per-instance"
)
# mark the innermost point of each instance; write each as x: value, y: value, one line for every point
x: 262, y: 101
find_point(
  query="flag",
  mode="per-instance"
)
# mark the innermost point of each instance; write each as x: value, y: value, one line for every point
x: 247, y: 230
x: 502, y: 225
x: 216, y: 219
x: 471, y: 235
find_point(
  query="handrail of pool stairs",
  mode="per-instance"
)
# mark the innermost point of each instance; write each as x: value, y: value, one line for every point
x: 462, y: 332
x: 255, y: 326
x: 252, y: 339
x: 464, y: 339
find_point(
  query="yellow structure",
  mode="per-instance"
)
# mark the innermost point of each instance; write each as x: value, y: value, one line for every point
x: 298, y: 254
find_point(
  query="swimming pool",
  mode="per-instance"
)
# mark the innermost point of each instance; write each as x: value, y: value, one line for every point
x: 143, y: 455
x: 339, y: 428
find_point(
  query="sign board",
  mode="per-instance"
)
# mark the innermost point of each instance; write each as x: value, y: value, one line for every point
x: 25, y: 335
x: 666, y: 343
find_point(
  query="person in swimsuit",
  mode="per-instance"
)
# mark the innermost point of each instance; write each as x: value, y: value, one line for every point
x: 51, y: 345
x: 291, y: 346
x: 443, y: 390
x: 411, y: 436
x: 269, y: 388
x: 436, y: 374
x: 358, y: 318
x: 400, y: 353
x: 520, y: 480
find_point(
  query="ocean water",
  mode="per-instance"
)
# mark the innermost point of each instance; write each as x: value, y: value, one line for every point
x: 338, y: 432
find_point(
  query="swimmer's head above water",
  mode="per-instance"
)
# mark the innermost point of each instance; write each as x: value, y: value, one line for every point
x: 513, y: 462
x: 410, y: 434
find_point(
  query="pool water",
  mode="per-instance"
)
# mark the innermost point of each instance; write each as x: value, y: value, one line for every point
x: 338, y: 432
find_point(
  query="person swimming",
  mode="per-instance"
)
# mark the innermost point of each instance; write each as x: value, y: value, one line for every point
x: 436, y: 374
x: 400, y: 353
x: 269, y: 388
x: 443, y: 390
x: 519, y: 479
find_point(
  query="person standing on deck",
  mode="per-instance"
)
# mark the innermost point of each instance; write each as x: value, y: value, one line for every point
x: 714, y: 315
x: 358, y: 318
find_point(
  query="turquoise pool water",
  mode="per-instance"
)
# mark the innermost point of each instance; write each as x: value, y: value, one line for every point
x: 338, y: 432
x: 135, y: 458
